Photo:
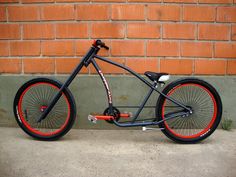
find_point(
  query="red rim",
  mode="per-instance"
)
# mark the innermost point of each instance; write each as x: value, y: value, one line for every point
x: 204, y: 130
x: 25, y: 122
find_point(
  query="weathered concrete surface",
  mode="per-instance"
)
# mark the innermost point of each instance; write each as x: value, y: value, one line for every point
x: 116, y: 153
x: 90, y: 96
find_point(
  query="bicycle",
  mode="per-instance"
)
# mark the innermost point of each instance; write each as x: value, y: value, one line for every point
x: 187, y: 110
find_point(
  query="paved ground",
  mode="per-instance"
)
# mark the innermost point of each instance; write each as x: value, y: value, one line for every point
x: 91, y: 153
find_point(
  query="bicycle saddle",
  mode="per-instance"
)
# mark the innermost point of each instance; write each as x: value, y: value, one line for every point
x: 159, y: 77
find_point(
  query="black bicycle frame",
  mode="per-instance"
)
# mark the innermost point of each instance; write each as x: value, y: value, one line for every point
x: 90, y: 58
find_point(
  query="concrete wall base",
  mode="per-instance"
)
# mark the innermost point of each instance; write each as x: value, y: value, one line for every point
x: 90, y: 96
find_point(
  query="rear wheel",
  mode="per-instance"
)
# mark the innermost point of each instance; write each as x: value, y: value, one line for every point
x: 31, y: 101
x: 202, y: 98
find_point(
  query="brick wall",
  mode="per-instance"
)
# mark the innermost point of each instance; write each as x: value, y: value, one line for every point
x: 189, y: 37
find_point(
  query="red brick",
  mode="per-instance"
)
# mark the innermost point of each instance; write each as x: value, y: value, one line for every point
x: 144, y: 0
x: 225, y: 50
x: 198, y: 13
x: 176, y: 66
x: 162, y: 48
x: 140, y: 65
x: 10, y: 1
x: 108, y: 30
x: 127, y: 12
x: 92, y: 12
x: 179, y: 31
x: 9, y: 31
x: 36, y: 1
x: 196, y: 49
x: 38, y: 31
x: 57, y: 12
x: 233, y: 37
x: 82, y: 46
x: 39, y: 65
x: 23, y: 13
x: 72, y: 0
x: 4, y: 48
x: 107, y: 68
x: 67, y: 65
x: 181, y: 1
x: 213, y: 32
x: 216, y: 1
x: 127, y: 48
x: 108, y: 0
x: 143, y: 30
x: 58, y: 48
x: 210, y: 67
x: 12, y: 65
x: 231, y: 67
x: 226, y: 14
x: 25, y: 48
x: 72, y: 30
x: 164, y: 12
x: 3, y: 14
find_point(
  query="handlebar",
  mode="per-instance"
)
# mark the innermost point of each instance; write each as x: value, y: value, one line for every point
x: 98, y: 43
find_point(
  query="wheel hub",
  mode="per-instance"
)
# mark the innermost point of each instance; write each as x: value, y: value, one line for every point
x: 43, y: 108
x: 188, y: 112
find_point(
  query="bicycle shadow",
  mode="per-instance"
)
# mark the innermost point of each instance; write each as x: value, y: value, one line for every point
x: 120, y: 136
x: 114, y: 136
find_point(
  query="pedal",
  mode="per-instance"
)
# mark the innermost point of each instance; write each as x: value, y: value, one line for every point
x: 92, y: 119
x: 126, y: 115
x: 147, y: 128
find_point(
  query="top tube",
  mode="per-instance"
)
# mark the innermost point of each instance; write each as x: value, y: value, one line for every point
x: 125, y: 68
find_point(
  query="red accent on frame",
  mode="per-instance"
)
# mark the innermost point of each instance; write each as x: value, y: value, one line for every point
x: 42, y: 108
x: 94, y: 43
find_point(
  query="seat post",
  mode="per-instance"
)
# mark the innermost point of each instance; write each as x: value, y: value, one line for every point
x: 155, y: 84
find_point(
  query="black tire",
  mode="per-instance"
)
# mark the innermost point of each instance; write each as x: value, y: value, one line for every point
x: 206, y: 105
x: 32, y: 99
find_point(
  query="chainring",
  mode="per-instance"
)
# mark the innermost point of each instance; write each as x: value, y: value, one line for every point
x: 116, y: 114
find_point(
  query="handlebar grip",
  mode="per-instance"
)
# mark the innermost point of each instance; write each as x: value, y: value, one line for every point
x: 106, y: 47
x: 100, y: 43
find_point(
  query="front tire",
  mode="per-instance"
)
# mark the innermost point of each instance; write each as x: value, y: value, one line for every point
x: 206, y: 105
x: 33, y: 98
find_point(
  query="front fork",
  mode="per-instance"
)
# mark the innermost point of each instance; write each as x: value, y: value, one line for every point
x: 84, y: 62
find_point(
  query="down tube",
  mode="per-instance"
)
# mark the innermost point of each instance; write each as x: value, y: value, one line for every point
x: 109, y: 96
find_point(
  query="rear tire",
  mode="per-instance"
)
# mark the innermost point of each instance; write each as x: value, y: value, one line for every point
x: 33, y: 98
x: 206, y: 105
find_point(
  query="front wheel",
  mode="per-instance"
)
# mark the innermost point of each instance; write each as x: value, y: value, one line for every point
x: 31, y: 101
x: 205, y: 103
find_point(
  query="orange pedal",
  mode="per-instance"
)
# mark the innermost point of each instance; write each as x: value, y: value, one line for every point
x: 102, y: 117
x: 124, y: 115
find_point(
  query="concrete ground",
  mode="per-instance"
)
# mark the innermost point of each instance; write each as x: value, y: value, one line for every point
x: 116, y: 153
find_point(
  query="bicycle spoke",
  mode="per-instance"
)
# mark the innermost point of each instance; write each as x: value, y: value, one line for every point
x: 199, y: 101
x: 38, y: 97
